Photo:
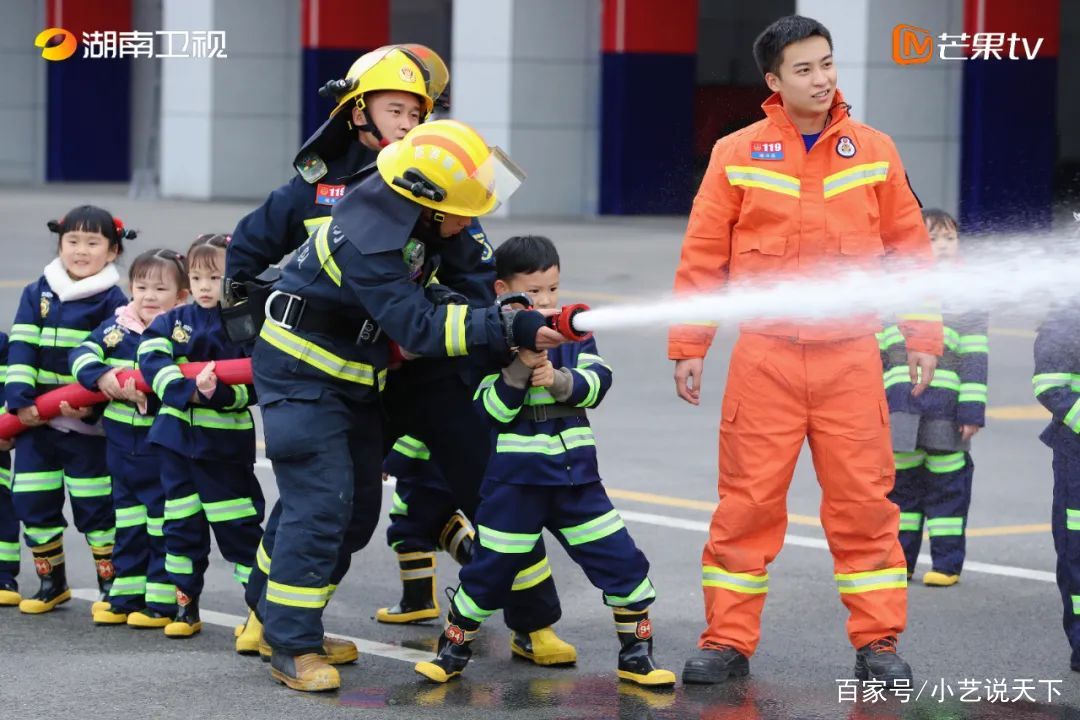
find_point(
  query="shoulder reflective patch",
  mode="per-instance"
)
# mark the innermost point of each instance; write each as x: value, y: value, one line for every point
x: 311, y: 168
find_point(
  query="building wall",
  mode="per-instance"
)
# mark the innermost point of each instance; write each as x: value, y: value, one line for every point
x: 22, y: 95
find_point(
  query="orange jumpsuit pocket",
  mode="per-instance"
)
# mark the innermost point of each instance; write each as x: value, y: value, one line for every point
x: 755, y: 253
x: 861, y: 243
x: 729, y: 409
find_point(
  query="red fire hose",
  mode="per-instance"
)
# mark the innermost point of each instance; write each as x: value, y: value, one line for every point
x: 229, y: 372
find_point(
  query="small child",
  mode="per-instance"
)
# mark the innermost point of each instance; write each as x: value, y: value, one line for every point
x: 932, y: 433
x: 76, y: 293
x: 141, y: 594
x: 543, y: 473
x: 1057, y: 369
x: 9, y: 521
x: 205, y: 439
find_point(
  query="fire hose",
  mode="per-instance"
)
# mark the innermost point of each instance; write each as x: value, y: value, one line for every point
x: 232, y: 372
x: 229, y: 372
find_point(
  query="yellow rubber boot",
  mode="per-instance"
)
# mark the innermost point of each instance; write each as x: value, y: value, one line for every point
x: 248, y: 635
x: 307, y: 673
x: 148, y: 619
x: 110, y: 616
x: 418, y: 602
x: 933, y: 578
x: 187, y: 622
x: 105, y: 575
x: 543, y: 647
x: 636, y: 663
x: 9, y: 596
x: 457, y: 538
x: 49, y: 564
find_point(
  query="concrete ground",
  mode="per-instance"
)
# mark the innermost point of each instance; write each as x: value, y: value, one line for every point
x: 990, y: 637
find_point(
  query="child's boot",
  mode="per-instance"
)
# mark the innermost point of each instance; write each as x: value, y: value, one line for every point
x: 187, y: 622
x: 543, y: 647
x: 636, y: 663
x: 109, y: 615
x: 936, y: 578
x: 148, y: 618
x: 9, y: 593
x: 418, y: 601
x: 457, y: 538
x: 49, y: 563
x: 248, y: 635
x: 454, y: 651
x: 105, y: 574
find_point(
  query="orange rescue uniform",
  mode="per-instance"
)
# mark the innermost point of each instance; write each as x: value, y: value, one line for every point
x: 769, y: 209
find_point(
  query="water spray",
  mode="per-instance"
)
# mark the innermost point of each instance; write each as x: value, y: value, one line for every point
x: 996, y: 275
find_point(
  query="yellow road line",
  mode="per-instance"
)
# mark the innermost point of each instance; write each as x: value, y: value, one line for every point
x: 670, y: 501
x: 1033, y: 411
x: 1009, y: 530
x: 14, y: 283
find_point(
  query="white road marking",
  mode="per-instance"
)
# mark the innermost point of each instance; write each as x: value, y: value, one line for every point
x: 820, y: 544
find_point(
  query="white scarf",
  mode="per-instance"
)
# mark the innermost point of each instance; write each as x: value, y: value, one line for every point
x: 67, y: 289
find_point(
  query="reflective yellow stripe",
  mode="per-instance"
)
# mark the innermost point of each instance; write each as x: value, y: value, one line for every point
x: 326, y: 259
x: 455, y: 330
x: 29, y: 334
x: 313, y: 224
x: 744, y: 583
x: 763, y: 179
x: 295, y: 596
x: 890, y: 578
x: 320, y: 358
x: 853, y: 177
x: 62, y: 337
x: 210, y: 419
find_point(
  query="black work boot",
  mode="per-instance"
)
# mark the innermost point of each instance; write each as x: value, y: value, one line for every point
x: 880, y: 661
x: 418, y: 601
x: 105, y: 574
x: 454, y: 652
x: 715, y: 664
x: 49, y: 564
x: 457, y: 538
x: 187, y: 622
x: 636, y: 663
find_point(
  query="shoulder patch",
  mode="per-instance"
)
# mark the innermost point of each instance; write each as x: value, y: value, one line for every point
x: 311, y: 167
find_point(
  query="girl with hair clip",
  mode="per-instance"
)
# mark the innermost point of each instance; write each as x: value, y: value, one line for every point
x: 205, y: 439
x: 141, y: 594
x: 56, y: 313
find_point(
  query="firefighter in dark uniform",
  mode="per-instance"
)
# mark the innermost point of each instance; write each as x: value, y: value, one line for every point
x: 322, y: 355
x: 423, y: 386
x: 386, y: 93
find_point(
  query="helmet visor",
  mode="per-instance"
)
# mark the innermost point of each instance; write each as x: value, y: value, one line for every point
x: 499, y: 177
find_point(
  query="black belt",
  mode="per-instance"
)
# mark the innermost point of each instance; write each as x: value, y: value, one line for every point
x: 540, y: 413
x: 294, y: 312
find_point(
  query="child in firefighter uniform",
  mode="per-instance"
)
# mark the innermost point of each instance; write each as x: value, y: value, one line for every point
x: 423, y: 519
x: 323, y: 352
x: 141, y: 595
x: 9, y: 521
x: 205, y: 439
x: 57, y: 312
x: 1056, y: 384
x: 931, y: 433
x: 543, y: 474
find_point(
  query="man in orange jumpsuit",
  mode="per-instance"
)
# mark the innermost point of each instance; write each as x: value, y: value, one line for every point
x: 803, y: 192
